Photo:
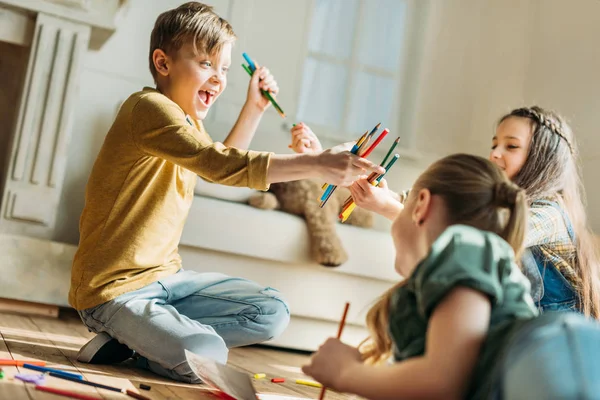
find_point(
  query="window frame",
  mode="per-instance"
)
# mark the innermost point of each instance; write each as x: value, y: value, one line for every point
x: 406, y: 77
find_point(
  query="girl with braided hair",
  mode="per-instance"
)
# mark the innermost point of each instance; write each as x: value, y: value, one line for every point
x: 536, y: 149
x: 462, y: 324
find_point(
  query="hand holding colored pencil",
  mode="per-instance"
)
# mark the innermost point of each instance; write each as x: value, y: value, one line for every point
x: 362, y: 149
x: 250, y: 68
x: 339, y: 335
x: 374, y: 179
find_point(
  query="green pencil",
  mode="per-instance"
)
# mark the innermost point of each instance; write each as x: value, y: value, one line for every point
x: 387, y: 167
x: 267, y: 94
x: 390, y: 151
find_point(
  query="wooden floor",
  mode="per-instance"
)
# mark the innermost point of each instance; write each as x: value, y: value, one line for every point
x: 57, y: 341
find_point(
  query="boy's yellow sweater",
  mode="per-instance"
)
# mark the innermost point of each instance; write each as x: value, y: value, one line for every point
x: 139, y: 194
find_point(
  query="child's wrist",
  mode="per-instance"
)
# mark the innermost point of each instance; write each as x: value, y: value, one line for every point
x: 252, y: 107
x: 348, y: 375
x: 392, y: 208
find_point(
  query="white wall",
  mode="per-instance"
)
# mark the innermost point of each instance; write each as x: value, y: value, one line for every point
x: 541, y: 52
x: 481, y: 58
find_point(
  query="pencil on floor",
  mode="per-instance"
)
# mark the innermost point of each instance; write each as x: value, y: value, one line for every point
x: 19, y: 363
x: 339, y: 335
x: 65, y: 393
x: 56, y: 371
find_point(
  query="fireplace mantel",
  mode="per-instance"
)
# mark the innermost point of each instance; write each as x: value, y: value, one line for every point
x: 99, y: 15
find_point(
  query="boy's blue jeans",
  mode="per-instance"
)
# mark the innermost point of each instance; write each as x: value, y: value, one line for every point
x: 205, y: 313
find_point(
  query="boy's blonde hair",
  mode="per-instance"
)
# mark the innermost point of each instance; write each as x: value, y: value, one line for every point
x: 191, y: 22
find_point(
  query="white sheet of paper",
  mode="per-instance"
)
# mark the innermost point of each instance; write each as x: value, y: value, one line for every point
x: 269, y: 396
x: 236, y: 384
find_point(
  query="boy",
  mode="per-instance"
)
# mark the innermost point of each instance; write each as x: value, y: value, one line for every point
x: 127, y: 282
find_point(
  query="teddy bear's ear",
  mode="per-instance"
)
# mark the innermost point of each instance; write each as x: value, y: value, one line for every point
x: 264, y: 200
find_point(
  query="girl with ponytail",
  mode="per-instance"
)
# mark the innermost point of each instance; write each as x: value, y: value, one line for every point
x: 536, y: 149
x: 463, y: 320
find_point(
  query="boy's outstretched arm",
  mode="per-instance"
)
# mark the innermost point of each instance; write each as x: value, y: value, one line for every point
x: 457, y: 329
x: 245, y: 127
x: 336, y: 166
x: 159, y: 129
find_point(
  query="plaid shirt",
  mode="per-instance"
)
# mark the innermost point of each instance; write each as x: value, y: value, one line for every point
x: 548, y: 231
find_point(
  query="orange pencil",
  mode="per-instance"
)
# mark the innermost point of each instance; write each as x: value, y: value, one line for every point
x: 19, y: 363
x: 339, y: 335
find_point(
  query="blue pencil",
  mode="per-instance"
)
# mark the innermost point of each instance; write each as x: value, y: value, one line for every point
x: 56, y: 371
x: 250, y: 62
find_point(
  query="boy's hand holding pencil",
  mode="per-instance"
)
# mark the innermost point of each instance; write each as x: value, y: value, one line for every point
x: 261, y: 85
x: 339, y: 165
x: 261, y: 80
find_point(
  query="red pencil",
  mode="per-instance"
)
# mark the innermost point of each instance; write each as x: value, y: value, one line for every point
x: 339, y: 335
x: 66, y: 393
x: 375, y: 143
x: 135, y: 395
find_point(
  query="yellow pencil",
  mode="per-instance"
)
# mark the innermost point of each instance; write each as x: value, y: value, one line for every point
x: 308, y: 383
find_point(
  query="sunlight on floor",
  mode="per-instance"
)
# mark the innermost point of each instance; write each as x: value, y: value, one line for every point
x: 78, y: 340
x: 10, y: 339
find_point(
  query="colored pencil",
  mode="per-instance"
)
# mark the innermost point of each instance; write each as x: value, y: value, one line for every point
x: 356, y: 149
x: 65, y: 393
x: 249, y: 61
x: 88, y: 383
x: 339, y: 335
x: 308, y: 383
x: 250, y: 70
x: 389, y: 153
x: 349, y: 204
x: 19, y: 363
x: 56, y: 371
x: 376, y: 142
x: 135, y: 395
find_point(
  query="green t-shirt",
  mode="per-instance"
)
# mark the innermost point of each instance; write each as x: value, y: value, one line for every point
x: 463, y: 256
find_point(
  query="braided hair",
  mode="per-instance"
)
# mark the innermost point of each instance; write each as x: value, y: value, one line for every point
x: 551, y: 171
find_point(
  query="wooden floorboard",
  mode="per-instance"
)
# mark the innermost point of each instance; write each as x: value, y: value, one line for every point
x: 57, y: 341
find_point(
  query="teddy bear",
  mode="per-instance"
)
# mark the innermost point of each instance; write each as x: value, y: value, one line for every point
x: 302, y: 198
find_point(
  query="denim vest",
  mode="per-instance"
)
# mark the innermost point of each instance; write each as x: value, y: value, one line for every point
x: 549, y: 288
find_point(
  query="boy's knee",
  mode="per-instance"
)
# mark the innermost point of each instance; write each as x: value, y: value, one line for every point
x: 275, y: 317
x: 207, y: 346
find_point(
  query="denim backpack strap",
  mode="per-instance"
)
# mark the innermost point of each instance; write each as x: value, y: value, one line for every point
x: 532, y: 272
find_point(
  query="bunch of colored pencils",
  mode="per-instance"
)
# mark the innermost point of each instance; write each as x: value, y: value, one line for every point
x: 374, y: 179
x: 250, y: 68
x: 363, y: 149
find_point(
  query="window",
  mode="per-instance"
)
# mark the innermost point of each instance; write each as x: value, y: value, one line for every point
x: 355, y: 64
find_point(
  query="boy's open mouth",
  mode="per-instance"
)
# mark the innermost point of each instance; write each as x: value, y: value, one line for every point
x: 206, y: 97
